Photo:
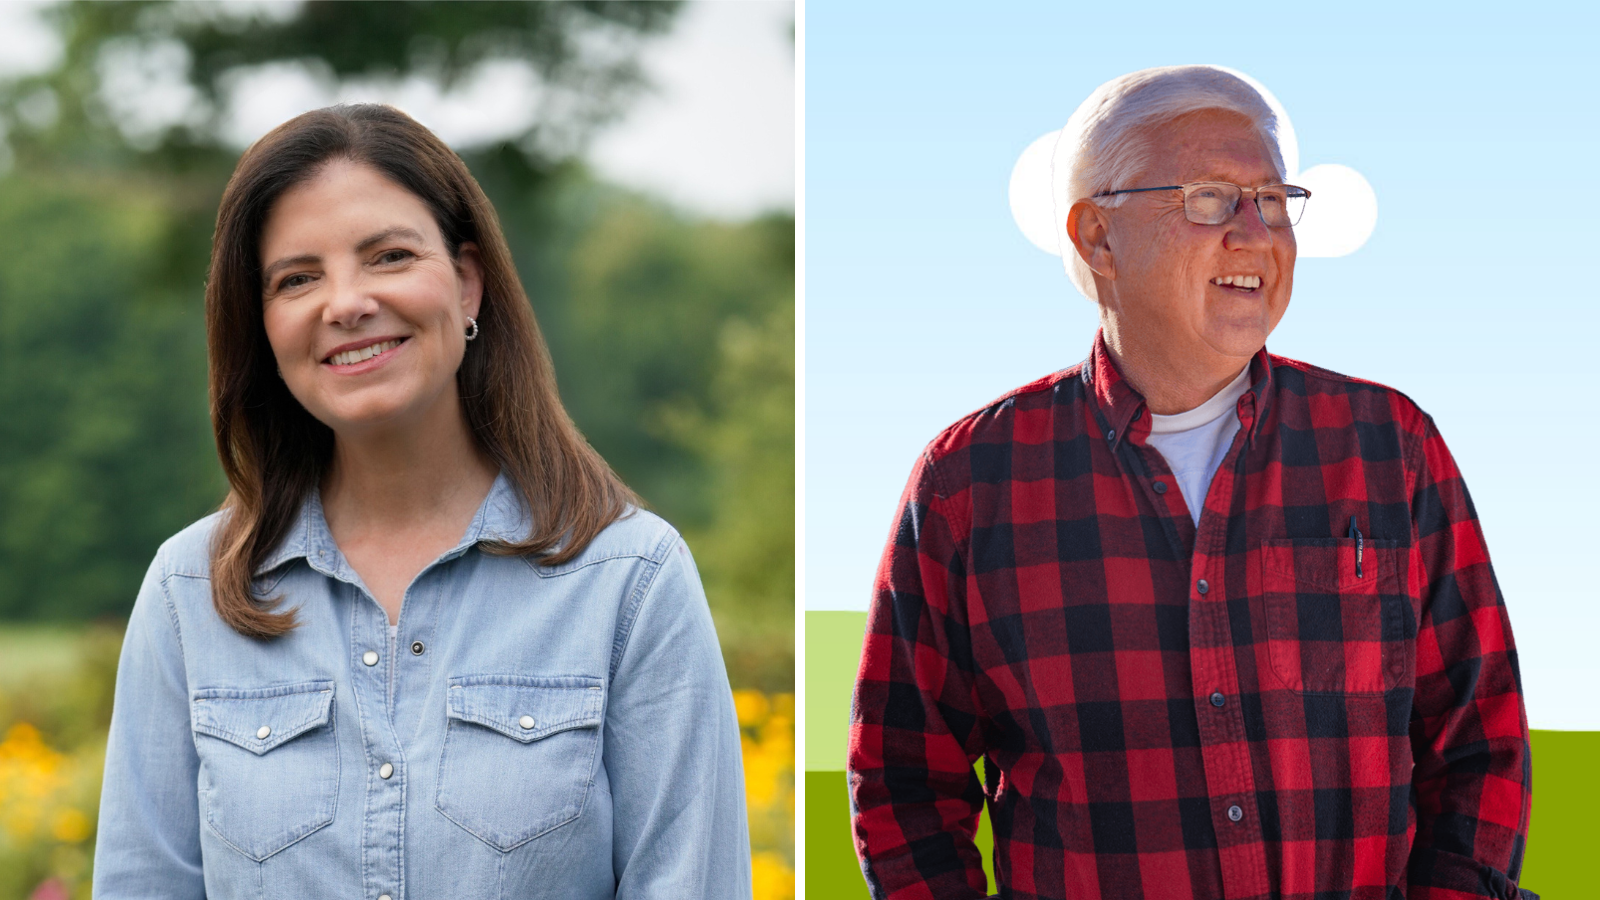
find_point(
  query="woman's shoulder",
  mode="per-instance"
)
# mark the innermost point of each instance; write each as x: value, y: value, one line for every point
x: 188, y: 553
x: 637, y: 534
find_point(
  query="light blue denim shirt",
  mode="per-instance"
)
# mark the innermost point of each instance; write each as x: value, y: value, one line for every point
x: 562, y: 731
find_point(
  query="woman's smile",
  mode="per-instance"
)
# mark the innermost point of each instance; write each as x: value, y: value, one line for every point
x: 361, y: 357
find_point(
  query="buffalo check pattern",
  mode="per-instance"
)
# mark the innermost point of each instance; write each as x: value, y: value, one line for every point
x: 1311, y: 694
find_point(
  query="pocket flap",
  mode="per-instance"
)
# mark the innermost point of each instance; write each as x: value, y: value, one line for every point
x: 262, y: 718
x: 1336, y: 565
x: 527, y: 708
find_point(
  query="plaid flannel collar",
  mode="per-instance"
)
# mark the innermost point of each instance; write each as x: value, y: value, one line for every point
x: 1120, y: 410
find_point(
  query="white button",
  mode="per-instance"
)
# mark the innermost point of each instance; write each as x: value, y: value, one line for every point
x: 385, y: 770
x: 526, y: 721
x: 262, y: 732
x: 370, y: 657
x: 383, y: 897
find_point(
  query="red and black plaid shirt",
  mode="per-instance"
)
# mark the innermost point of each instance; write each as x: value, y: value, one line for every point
x: 1314, y: 694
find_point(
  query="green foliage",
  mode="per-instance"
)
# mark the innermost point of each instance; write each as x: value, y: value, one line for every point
x: 675, y: 355
x: 104, y: 440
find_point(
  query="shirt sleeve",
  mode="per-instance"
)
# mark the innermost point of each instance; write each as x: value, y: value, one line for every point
x: 148, y: 844
x: 672, y: 749
x: 1469, y: 732
x: 914, y: 732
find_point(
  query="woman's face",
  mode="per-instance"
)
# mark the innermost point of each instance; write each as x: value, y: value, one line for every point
x: 365, y: 310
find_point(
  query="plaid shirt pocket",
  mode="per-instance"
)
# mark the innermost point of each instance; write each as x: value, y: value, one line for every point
x: 1337, y: 617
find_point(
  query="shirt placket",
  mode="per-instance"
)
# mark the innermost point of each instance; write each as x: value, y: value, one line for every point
x: 1224, y: 747
x: 371, y: 666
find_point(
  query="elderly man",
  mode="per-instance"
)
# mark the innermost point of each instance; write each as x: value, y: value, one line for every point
x: 1218, y: 623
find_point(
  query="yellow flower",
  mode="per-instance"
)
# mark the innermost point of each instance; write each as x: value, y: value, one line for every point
x: 752, y: 707
x: 773, y: 878
x: 71, y: 826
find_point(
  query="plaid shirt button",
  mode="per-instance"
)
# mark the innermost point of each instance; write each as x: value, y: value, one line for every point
x: 1111, y: 435
x: 1235, y: 813
x: 1217, y: 699
x: 1161, y: 487
x: 1202, y: 586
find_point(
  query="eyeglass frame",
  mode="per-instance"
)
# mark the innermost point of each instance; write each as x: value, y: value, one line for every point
x: 1186, y: 188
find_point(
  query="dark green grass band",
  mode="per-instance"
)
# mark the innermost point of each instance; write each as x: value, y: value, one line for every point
x: 1561, y: 839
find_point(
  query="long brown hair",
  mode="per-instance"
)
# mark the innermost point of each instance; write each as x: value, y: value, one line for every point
x: 274, y: 453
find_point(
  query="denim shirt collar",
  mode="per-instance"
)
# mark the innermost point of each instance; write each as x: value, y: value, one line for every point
x: 501, y: 517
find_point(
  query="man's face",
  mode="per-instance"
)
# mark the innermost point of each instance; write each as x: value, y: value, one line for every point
x: 1165, y: 291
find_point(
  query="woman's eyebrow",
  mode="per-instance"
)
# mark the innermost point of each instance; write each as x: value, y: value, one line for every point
x: 388, y: 234
x: 303, y: 259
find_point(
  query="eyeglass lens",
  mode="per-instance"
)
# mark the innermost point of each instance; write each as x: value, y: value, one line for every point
x: 1215, y: 203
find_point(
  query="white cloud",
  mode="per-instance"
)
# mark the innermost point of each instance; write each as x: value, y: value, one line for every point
x: 1341, y: 213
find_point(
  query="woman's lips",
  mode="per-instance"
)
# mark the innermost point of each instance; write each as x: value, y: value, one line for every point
x: 356, y: 361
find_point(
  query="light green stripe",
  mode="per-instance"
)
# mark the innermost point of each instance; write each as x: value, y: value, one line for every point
x: 833, y: 654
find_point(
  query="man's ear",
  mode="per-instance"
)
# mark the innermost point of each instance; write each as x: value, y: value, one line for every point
x: 1090, y: 232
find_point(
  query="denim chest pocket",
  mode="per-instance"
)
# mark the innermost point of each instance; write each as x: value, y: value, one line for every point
x: 269, y: 763
x: 519, y: 754
x: 1338, y: 618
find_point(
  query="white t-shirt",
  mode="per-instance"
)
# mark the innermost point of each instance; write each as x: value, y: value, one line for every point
x: 1193, y: 443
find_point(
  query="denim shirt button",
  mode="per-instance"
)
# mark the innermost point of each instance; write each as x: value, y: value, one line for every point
x: 370, y: 657
x: 385, y: 771
x: 383, y: 897
x: 526, y: 722
x: 262, y: 733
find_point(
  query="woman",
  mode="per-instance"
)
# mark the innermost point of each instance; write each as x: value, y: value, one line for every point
x: 428, y: 648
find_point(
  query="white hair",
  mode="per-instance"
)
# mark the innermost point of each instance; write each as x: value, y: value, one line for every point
x: 1102, y: 146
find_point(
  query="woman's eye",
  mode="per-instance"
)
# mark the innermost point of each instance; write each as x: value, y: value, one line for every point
x: 394, y: 256
x: 293, y: 281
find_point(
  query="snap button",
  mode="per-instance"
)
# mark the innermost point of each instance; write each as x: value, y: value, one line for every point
x: 1235, y: 813
x: 1161, y: 487
x: 416, y: 648
x: 526, y: 722
x: 370, y: 657
x: 1217, y: 699
x: 385, y: 770
x: 262, y: 733
x: 1200, y: 586
x: 383, y: 897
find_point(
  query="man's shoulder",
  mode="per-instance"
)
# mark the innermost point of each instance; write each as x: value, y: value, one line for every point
x: 1020, y: 414
x: 1367, y: 399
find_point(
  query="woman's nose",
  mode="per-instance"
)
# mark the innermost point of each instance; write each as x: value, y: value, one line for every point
x: 349, y: 302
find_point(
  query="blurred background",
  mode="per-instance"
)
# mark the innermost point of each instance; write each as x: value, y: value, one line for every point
x: 641, y: 159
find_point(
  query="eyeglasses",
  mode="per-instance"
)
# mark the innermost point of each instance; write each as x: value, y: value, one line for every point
x: 1215, y: 202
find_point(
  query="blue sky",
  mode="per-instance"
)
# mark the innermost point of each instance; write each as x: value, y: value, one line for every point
x: 1476, y: 294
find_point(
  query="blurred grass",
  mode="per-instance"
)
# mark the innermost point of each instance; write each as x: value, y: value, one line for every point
x: 28, y: 651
